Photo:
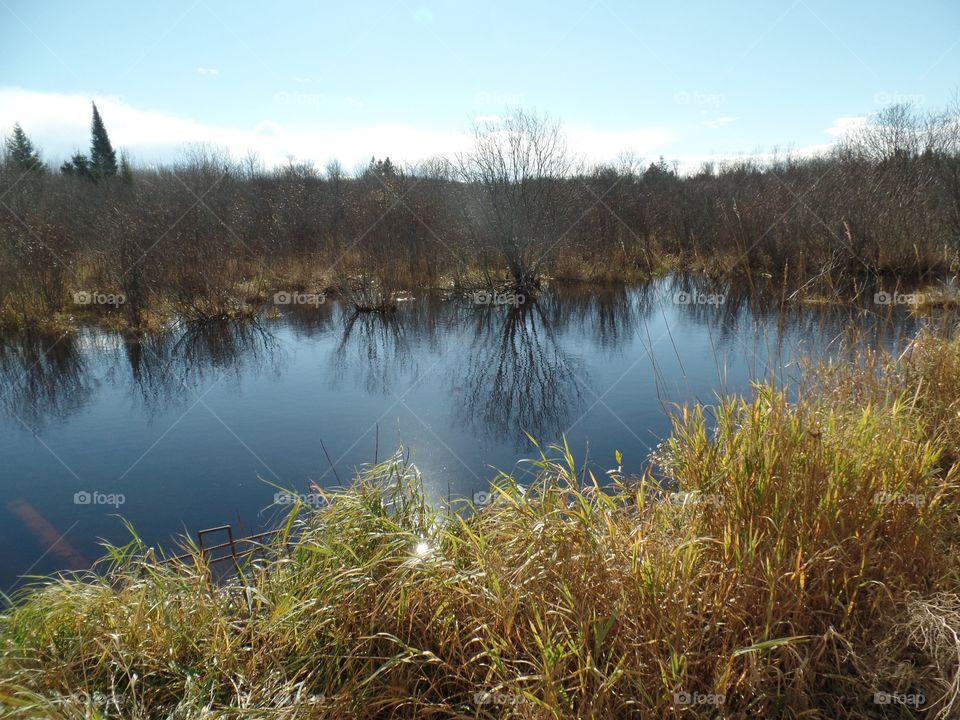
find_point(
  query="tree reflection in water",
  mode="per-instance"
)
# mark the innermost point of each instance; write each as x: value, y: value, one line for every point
x: 42, y: 377
x: 173, y: 367
x: 382, y: 350
x: 508, y: 370
x: 607, y: 314
x: 375, y: 346
x: 518, y: 379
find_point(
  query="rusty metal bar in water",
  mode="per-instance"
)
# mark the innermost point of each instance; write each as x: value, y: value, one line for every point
x: 231, y: 543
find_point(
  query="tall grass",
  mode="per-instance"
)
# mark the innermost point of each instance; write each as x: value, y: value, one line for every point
x: 778, y: 559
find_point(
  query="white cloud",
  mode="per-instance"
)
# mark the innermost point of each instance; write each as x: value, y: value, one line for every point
x: 207, y: 71
x: 60, y: 124
x: 716, y: 122
x: 608, y: 145
x: 692, y: 163
x: 843, y: 125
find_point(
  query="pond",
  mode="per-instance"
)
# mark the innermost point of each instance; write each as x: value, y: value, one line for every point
x: 200, y: 426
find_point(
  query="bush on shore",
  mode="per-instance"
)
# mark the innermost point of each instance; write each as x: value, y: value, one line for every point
x: 205, y: 235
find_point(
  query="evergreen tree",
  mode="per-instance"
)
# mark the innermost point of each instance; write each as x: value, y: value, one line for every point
x: 78, y: 165
x: 103, y: 159
x: 126, y: 172
x: 21, y: 152
x: 384, y: 168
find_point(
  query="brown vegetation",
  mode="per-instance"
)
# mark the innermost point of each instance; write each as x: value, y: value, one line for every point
x: 208, y: 236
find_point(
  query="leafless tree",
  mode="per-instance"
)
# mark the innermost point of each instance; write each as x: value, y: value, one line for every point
x: 521, y: 171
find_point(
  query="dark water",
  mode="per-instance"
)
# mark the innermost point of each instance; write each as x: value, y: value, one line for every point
x: 195, y: 427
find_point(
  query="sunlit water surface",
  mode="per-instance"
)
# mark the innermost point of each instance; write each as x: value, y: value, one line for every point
x: 196, y: 427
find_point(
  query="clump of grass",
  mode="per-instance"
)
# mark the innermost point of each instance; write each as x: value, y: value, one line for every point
x: 367, y: 295
x: 807, y: 562
x: 17, y: 320
x: 943, y: 296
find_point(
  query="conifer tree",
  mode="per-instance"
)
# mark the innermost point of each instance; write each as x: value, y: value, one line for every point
x: 126, y: 172
x: 103, y: 159
x: 21, y: 152
x: 78, y: 165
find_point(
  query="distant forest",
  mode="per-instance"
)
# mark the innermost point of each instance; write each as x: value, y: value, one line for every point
x: 208, y: 234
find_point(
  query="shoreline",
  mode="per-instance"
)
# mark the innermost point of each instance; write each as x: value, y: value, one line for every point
x: 271, y: 301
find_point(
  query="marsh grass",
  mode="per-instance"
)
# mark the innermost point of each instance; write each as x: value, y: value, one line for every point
x: 367, y: 295
x: 806, y: 562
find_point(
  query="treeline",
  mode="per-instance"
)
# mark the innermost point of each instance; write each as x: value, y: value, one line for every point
x: 208, y: 234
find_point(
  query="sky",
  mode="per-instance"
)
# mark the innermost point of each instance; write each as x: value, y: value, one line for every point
x: 317, y: 81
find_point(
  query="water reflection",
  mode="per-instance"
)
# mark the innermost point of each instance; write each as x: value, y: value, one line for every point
x: 460, y: 382
x: 311, y: 320
x: 757, y: 319
x: 42, y: 378
x: 169, y: 368
x: 508, y: 371
x: 516, y: 377
x: 375, y: 348
x: 607, y: 314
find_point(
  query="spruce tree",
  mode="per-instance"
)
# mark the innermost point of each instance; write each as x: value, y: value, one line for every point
x: 103, y: 159
x: 21, y: 152
x: 78, y: 165
x: 126, y: 172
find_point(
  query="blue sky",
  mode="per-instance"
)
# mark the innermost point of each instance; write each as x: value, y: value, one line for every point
x: 317, y: 80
